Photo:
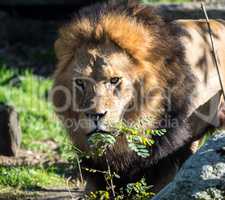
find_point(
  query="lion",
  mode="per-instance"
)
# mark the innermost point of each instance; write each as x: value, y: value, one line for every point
x: 120, y: 62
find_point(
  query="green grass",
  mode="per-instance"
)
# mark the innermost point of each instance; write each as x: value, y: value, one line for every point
x: 38, y: 123
x: 37, y: 118
x: 29, y: 178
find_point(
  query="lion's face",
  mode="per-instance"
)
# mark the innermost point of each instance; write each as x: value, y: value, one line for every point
x: 101, y: 86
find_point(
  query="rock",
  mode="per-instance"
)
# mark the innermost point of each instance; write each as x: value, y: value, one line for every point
x: 191, y: 11
x: 202, y: 177
x: 10, y: 132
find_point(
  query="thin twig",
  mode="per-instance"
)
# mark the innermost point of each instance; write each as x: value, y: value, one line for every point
x: 80, y: 172
x: 213, y: 51
x: 68, y: 188
x: 94, y: 170
x: 111, y: 179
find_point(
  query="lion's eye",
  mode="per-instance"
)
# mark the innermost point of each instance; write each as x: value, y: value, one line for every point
x: 115, y: 80
x: 79, y: 82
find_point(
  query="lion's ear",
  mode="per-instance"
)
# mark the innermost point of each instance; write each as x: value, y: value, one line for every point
x: 63, y: 55
x: 124, y: 2
x: 58, y: 48
x: 132, y: 2
x: 62, y: 51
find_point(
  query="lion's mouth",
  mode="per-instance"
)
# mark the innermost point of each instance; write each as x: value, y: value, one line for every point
x: 97, y: 131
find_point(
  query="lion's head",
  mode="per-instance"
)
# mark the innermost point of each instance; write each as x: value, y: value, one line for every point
x: 119, y: 64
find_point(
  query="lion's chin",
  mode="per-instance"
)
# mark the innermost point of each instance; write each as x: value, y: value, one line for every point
x: 98, y: 131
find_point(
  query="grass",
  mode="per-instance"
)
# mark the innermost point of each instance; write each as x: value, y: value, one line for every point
x: 37, y: 118
x: 38, y: 123
x: 30, y: 178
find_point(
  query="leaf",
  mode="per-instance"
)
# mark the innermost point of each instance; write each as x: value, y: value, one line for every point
x: 100, y: 142
x: 116, y: 175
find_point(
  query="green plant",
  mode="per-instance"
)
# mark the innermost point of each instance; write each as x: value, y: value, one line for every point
x: 140, y: 141
x: 139, y: 190
x: 133, y: 191
x: 99, y: 142
x: 101, y: 194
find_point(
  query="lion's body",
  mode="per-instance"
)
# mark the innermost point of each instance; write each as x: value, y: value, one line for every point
x: 199, y: 56
x: 198, y: 50
x: 147, y: 54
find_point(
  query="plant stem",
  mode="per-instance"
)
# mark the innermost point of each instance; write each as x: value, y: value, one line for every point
x: 111, y: 179
x: 80, y: 172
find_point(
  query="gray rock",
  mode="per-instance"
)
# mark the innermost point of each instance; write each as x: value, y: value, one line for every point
x: 191, y: 11
x: 202, y: 177
x: 10, y: 132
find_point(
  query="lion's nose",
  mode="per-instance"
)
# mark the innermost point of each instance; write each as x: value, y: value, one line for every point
x: 95, y: 116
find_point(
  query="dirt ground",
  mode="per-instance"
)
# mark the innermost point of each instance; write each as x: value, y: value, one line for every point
x: 31, y: 158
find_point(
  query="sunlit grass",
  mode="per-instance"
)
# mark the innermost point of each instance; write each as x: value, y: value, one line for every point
x: 29, y: 178
x: 37, y: 118
x: 38, y: 123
